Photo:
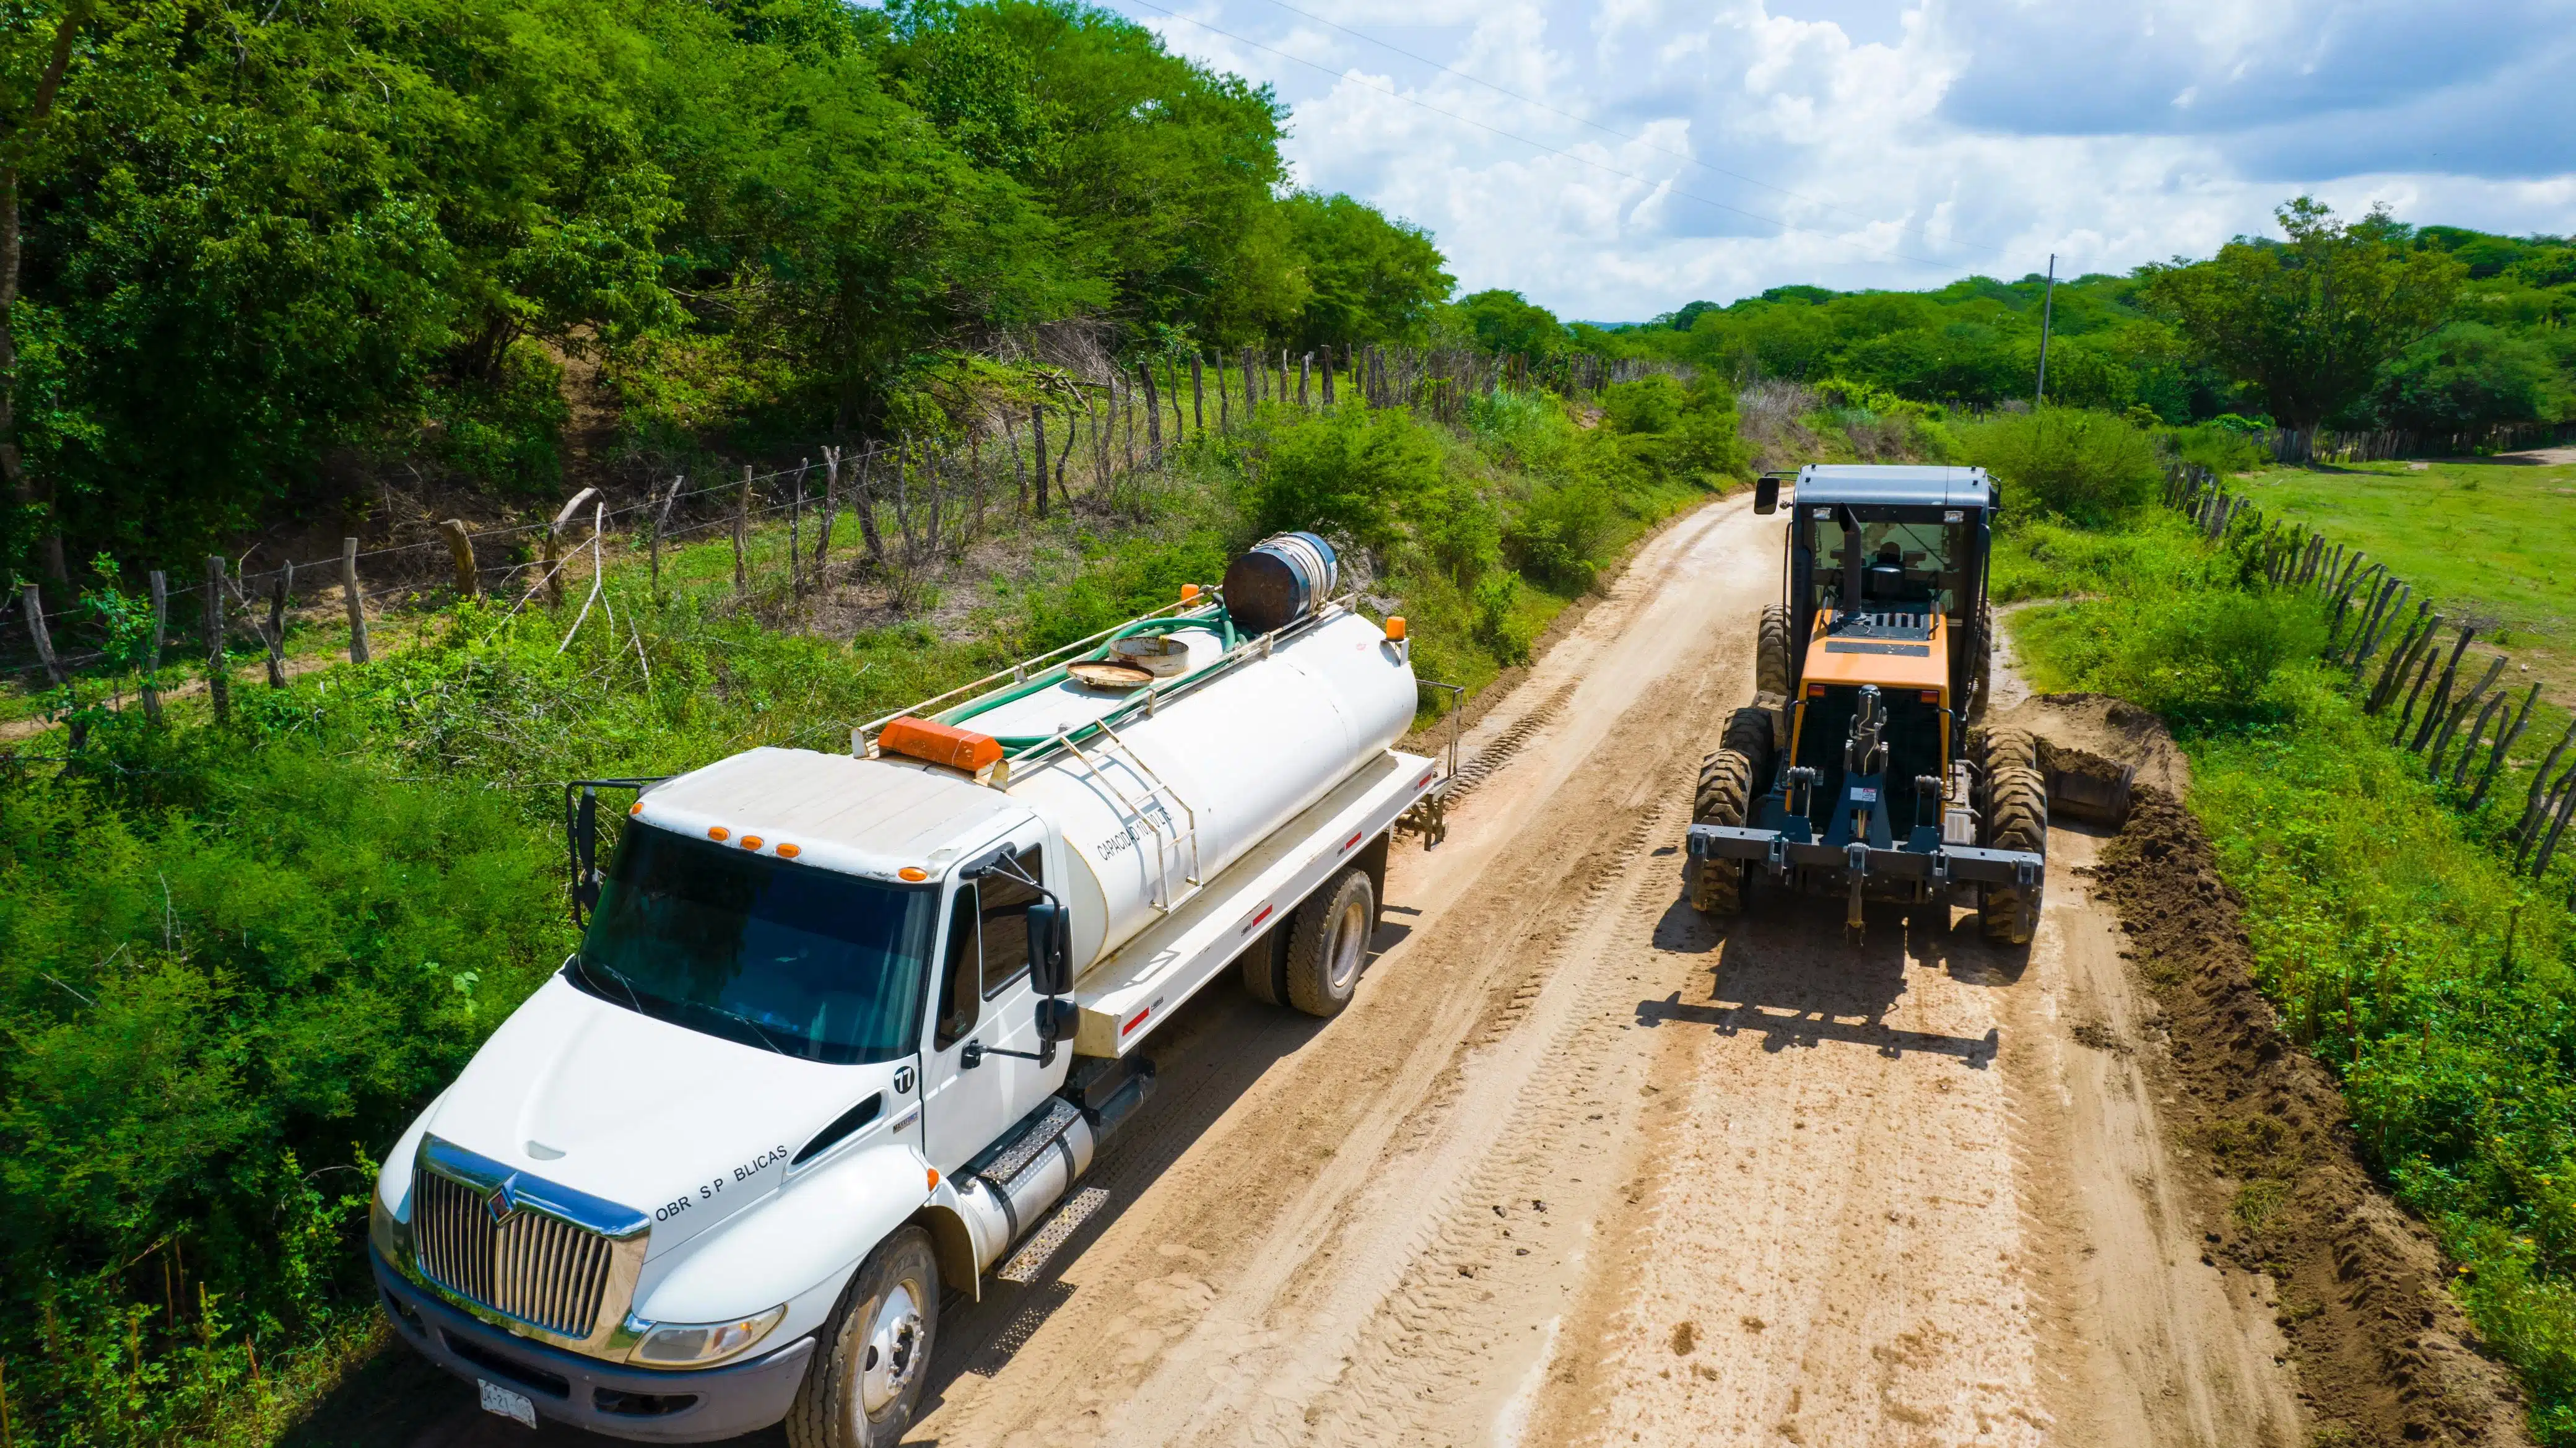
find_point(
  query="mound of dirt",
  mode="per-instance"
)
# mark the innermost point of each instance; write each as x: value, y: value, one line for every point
x: 2099, y: 735
x: 2383, y: 1353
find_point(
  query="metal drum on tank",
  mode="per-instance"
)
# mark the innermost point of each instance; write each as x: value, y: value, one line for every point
x: 1184, y: 792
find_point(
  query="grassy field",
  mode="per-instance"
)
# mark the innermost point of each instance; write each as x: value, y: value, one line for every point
x: 2490, y: 539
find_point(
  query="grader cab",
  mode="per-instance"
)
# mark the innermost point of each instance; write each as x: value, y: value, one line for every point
x: 1850, y: 773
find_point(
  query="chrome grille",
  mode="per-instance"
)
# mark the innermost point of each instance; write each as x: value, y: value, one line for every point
x: 527, y: 1265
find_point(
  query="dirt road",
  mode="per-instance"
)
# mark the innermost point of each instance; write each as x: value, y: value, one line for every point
x: 1579, y: 1168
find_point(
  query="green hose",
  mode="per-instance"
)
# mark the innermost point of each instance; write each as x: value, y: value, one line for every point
x: 1217, y: 618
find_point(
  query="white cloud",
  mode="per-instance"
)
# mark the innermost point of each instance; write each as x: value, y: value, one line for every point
x: 1654, y: 151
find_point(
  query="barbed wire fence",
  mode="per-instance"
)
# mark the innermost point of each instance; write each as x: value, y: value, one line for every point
x: 2374, y: 614
x: 1086, y: 440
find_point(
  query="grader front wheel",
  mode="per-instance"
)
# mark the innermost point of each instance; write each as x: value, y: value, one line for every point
x: 1729, y: 781
x: 2016, y: 819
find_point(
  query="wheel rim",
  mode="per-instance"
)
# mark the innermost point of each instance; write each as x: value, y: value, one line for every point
x: 894, y: 1351
x: 1350, y: 941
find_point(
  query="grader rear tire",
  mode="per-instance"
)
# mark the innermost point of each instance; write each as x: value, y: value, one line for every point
x: 2016, y: 819
x: 1771, y: 652
x: 1729, y: 781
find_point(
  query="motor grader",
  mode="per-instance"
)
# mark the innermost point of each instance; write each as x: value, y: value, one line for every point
x: 1857, y: 770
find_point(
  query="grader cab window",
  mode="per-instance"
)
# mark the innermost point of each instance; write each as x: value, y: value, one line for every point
x: 1906, y: 564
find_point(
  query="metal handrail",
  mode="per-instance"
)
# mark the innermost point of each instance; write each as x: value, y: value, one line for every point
x: 1019, y: 672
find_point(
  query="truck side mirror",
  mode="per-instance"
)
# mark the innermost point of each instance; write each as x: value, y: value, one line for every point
x: 1050, y: 948
x: 1766, y: 493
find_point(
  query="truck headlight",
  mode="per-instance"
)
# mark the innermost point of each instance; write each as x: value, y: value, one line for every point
x: 702, y: 1344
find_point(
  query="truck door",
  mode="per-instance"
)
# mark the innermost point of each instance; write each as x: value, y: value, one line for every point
x: 986, y: 1012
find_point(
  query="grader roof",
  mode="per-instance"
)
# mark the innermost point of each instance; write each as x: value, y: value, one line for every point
x: 1902, y: 487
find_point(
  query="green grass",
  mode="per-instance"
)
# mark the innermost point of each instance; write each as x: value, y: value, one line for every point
x: 2386, y: 922
x: 2488, y: 540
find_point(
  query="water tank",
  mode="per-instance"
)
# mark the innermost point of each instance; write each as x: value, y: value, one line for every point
x: 1230, y: 761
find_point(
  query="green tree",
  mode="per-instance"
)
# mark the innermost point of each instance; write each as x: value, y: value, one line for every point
x: 2308, y: 321
x: 1369, y: 279
x: 1504, y: 321
x: 2468, y: 376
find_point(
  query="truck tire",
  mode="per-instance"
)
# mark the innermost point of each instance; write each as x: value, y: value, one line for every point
x: 1771, y: 652
x: 870, y: 1361
x: 2016, y: 819
x: 1328, y: 940
x: 1728, y: 781
x: 1265, y: 966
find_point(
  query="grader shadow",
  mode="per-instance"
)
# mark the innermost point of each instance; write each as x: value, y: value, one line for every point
x: 1785, y: 972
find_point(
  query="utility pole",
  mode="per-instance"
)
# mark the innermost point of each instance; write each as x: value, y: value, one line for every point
x: 2047, y: 312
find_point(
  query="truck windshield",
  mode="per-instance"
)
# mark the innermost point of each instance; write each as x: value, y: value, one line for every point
x: 802, y: 961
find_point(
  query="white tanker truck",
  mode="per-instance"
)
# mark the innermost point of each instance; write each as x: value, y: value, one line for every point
x: 842, y: 1030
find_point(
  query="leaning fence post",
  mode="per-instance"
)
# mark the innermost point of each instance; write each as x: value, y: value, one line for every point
x: 2533, y: 804
x: 796, y: 536
x: 218, y: 683
x: 276, y: 635
x: 35, y: 601
x: 741, y: 520
x: 2434, y: 707
x: 152, y: 658
x: 1037, y: 424
x: 460, y: 553
x: 357, y: 601
x: 2504, y: 741
x: 1153, y: 412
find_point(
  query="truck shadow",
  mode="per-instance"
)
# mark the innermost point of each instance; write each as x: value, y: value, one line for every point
x: 1210, y: 1052
x: 1787, y: 975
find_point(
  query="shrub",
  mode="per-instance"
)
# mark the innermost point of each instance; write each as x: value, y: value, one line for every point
x: 2219, y: 449
x: 1647, y: 405
x: 2092, y: 468
x: 1556, y: 530
x: 1346, y: 470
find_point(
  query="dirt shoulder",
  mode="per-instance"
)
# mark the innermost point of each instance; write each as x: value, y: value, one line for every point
x: 2383, y: 1353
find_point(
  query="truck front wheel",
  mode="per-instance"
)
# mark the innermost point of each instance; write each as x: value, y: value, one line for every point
x: 1328, y: 940
x: 865, y: 1380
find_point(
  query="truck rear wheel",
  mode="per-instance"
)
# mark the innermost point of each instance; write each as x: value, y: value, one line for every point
x: 2016, y: 819
x: 1328, y: 940
x: 1728, y: 780
x: 866, y: 1374
x: 1265, y: 966
x: 1771, y: 652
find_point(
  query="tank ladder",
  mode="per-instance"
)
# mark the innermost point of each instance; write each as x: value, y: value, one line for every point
x: 1155, y: 810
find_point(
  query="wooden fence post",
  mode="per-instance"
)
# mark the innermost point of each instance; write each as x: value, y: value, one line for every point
x: 796, y: 536
x: 218, y: 680
x: 1305, y: 365
x: 275, y: 636
x: 1153, y: 413
x: 1328, y: 377
x: 831, y: 506
x: 152, y: 659
x: 460, y: 552
x: 741, y: 521
x: 1198, y: 398
x: 356, y: 600
x: 34, y: 598
x: 1037, y: 423
x: 2434, y: 707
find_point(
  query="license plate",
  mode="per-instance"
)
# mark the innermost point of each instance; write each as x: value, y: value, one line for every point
x: 501, y: 1400
x: 1864, y: 795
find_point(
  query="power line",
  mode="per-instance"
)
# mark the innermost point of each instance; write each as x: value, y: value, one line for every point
x: 1612, y: 131
x: 1540, y: 145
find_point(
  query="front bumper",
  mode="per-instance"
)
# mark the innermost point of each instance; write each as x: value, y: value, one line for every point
x: 1943, y: 865
x: 635, y: 1403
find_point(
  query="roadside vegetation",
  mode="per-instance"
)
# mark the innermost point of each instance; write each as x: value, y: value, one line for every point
x: 2389, y: 930
x: 236, y: 958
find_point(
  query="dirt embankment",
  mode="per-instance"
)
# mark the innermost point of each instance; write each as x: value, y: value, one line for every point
x: 2381, y: 1349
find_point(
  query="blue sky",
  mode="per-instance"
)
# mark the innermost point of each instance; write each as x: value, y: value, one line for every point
x: 1615, y: 159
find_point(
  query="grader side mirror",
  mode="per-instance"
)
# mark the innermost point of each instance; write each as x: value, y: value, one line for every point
x: 1766, y: 493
